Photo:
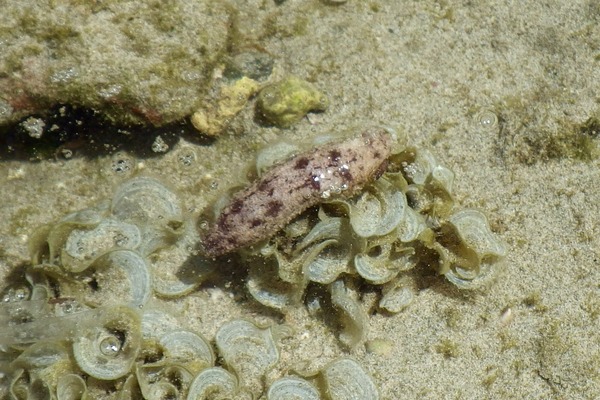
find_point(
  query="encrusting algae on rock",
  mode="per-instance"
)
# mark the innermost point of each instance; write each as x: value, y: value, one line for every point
x: 286, y: 102
x: 336, y: 169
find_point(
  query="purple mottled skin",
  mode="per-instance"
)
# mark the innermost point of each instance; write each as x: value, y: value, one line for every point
x: 332, y: 170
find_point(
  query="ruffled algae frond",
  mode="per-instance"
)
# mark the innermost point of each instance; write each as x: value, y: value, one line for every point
x: 406, y: 219
x: 80, y: 320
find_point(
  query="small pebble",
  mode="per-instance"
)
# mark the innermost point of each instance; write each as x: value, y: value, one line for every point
x: 286, y: 102
x: 214, y: 116
x: 34, y: 127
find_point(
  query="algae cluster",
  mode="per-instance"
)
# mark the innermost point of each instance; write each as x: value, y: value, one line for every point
x: 405, y: 221
x: 79, y: 322
x: 80, y: 318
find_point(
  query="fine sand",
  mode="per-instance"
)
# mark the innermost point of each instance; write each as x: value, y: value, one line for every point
x: 500, y: 93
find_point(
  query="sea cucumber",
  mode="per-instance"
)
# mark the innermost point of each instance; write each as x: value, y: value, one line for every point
x: 334, y: 169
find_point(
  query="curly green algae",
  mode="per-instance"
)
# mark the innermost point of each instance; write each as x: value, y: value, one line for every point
x: 85, y: 317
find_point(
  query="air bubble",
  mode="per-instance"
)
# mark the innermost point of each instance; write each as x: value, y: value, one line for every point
x: 110, y: 346
x: 121, y: 240
x: 488, y: 119
x: 68, y: 308
x: 21, y: 293
x: 187, y: 156
x: 64, y: 76
x: 16, y: 294
x: 121, y: 165
x: 110, y: 91
x: 186, y: 160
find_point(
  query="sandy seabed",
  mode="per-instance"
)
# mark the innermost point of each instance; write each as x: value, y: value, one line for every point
x: 483, y: 85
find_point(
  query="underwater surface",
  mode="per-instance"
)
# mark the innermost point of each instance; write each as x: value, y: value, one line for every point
x: 464, y: 264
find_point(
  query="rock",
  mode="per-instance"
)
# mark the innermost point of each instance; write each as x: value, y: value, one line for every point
x: 214, y: 116
x: 253, y: 64
x: 144, y: 62
x: 284, y: 103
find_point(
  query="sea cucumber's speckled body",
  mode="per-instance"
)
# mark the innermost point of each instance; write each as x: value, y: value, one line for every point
x: 265, y: 207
